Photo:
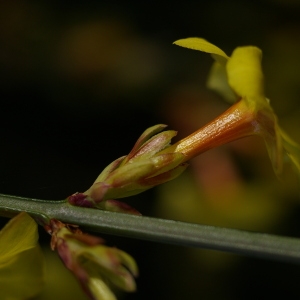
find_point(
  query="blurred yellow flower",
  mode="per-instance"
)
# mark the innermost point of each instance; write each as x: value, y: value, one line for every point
x: 21, y: 260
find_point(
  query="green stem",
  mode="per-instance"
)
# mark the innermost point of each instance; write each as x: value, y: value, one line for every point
x: 157, y: 230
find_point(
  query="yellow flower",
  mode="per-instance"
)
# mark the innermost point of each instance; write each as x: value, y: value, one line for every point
x: 239, y: 78
x: 96, y: 266
x: 21, y: 261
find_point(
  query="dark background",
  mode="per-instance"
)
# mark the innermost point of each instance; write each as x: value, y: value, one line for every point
x: 79, y: 82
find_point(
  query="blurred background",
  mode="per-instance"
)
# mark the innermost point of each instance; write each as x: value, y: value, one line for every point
x: 80, y: 81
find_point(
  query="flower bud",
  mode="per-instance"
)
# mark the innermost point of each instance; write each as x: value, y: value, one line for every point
x: 96, y: 266
x: 143, y: 168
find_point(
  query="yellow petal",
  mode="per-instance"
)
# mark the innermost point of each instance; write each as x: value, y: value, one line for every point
x: 19, y: 234
x: 204, y: 46
x: 292, y: 149
x: 217, y: 81
x: 244, y: 72
x: 269, y: 130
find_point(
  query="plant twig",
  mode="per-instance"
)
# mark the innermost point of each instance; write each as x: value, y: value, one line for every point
x: 157, y: 230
